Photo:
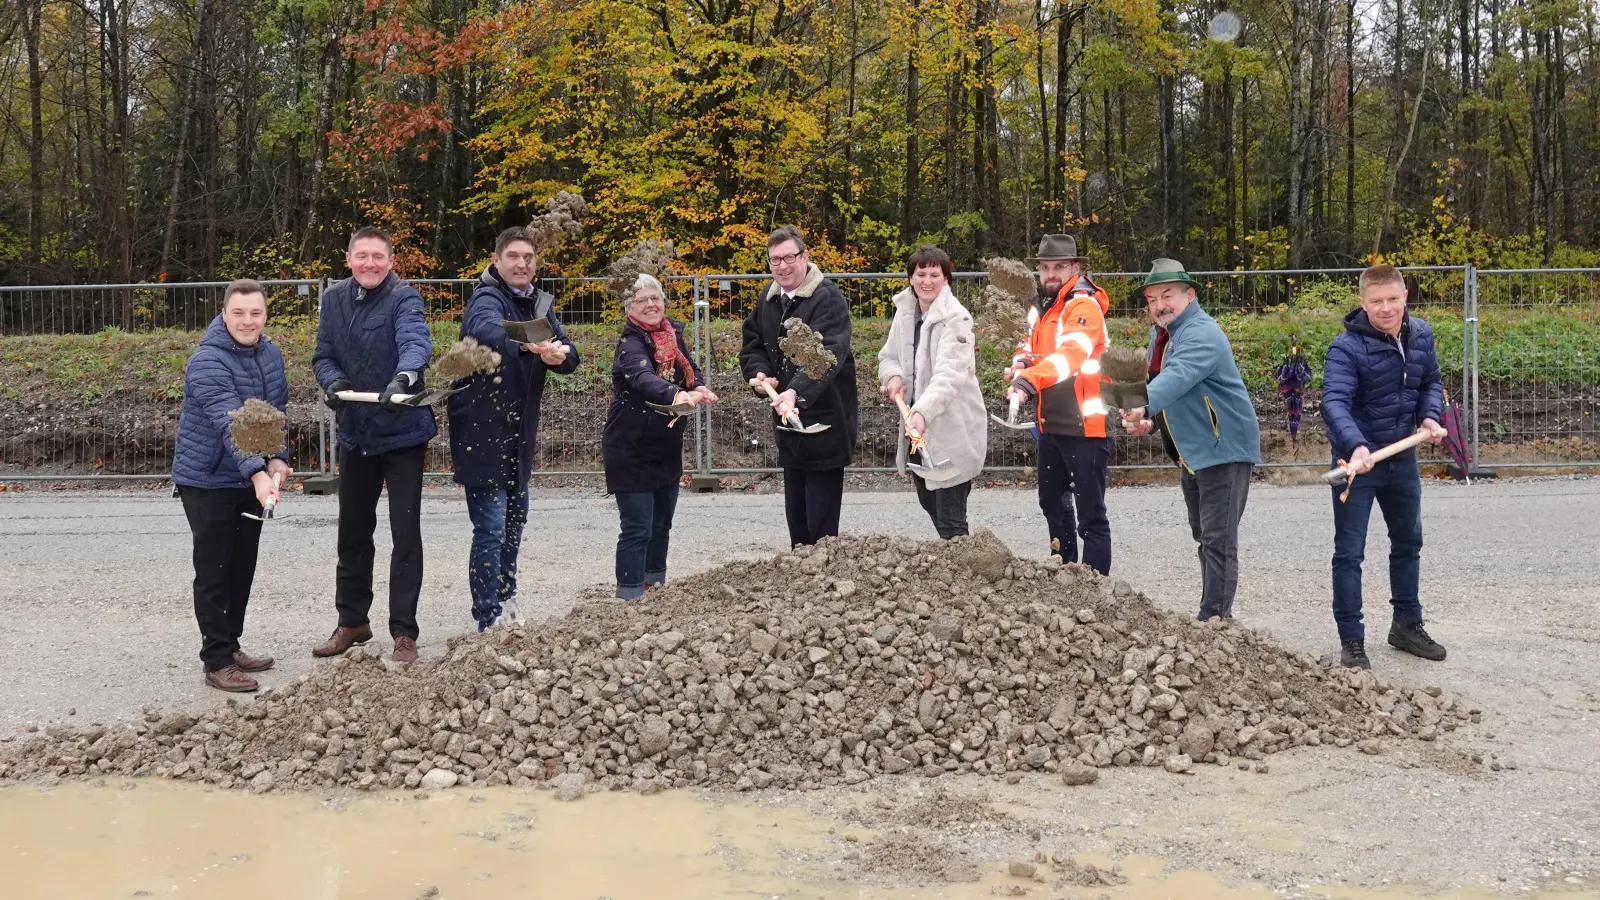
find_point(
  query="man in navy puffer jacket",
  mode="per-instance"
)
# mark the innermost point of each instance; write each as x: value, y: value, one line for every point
x: 372, y: 336
x: 218, y: 482
x: 1380, y: 384
x: 495, y: 417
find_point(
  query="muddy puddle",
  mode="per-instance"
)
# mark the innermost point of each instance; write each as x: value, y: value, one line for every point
x: 157, y: 840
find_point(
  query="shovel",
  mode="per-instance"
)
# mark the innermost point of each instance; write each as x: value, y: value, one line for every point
x: 267, y: 510
x: 427, y: 397
x: 535, y: 331
x: 927, y: 470
x: 1011, y: 422
x: 1342, y: 473
x: 793, y: 418
x: 675, y: 410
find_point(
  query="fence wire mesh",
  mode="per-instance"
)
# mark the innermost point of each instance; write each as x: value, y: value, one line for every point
x: 93, y: 374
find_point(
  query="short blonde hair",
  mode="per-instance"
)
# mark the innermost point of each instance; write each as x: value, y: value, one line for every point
x: 645, y: 280
x: 1373, y: 276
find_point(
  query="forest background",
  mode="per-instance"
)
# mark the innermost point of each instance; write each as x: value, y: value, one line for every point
x: 197, y: 139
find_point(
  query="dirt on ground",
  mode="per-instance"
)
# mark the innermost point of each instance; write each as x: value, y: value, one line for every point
x: 831, y: 665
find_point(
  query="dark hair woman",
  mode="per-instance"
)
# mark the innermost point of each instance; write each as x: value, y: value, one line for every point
x: 643, y: 449
x: 218, y: 482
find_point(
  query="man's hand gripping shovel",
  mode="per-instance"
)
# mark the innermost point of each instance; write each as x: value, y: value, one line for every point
x: 792, y: 417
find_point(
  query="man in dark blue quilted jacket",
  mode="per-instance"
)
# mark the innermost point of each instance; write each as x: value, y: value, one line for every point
x: 372, y: 337
x: 218, y: 482
x: 1380, y: 384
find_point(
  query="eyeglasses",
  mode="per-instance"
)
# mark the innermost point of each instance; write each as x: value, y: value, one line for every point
x: 786, y: 259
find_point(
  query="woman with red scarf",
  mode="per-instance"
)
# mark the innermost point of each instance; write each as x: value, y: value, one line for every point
x: 643, y: 449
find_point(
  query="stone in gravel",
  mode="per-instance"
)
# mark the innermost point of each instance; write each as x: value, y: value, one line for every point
x: 261, y: 783
x: 439, y: 780
x: 1261, y: 768
x: 654, y: 736
x: 568, y: 787
x: 1079, y: 774
x: 1020, y: 869
x: 762, y: 643
x: 1369, y: 747
x: 1179, y: 764
x: 884, y: 634
x: 428, y: 893
x: 1197, y: 740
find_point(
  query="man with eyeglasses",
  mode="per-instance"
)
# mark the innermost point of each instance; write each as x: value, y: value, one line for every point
x: 813, y: 464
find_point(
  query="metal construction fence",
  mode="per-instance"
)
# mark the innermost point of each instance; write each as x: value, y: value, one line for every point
x: 91, y: 375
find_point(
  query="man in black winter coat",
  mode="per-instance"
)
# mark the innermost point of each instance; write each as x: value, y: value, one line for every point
x: 813, y: 464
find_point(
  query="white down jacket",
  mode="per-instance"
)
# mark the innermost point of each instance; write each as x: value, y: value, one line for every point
x: 941, y: 382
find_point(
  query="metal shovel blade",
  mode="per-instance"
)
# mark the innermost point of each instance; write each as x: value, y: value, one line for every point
x: 1015, y: 426
x: 817, y: 428
x: 942, y: 471
x: 267, y: 512
x: 680, y: 409
x: 535, y: 331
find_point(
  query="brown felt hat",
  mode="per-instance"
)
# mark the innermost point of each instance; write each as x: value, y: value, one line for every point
x: 1057, y: 246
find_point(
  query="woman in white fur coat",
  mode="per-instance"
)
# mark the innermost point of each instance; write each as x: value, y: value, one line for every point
x: 930, y: 359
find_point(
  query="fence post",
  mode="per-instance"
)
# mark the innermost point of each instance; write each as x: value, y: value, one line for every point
x: 1469, y: 363
x: 702, y: 479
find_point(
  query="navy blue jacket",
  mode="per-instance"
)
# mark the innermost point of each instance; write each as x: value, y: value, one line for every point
x: 1372, y: 393
x: 643, y: 449
x: 494, y: 418
x: 218, y: 378
x: 367, y: 338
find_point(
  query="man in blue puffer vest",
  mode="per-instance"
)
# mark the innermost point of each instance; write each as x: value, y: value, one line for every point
x: 1206, y: 415
x: 1380, y: 383
x: 218, y: 483
x: 372, y: 336
x: 495, y: 417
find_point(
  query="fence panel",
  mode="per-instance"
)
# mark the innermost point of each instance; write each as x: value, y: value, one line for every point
x: 95, y: 374
x: 1538, y: 367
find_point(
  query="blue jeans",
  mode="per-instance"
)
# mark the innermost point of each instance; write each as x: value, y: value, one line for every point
x: 1397, y: 487
x: 498, y: 517
x: 642, y: 545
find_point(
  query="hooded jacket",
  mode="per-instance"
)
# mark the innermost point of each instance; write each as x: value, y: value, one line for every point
x: 219, y: 377
x: 1377, y: 389
x: 494, y: 419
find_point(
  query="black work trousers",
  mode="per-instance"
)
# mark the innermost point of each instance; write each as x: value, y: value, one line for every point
x: 1216, y: 496
x: 361, y: 483
x: 811, y: 502
x: 946, y: 506
x: 1074, y: 473
x: 225, y: 545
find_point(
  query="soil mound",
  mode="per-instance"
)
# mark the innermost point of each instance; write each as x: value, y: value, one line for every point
x: 860, y: 657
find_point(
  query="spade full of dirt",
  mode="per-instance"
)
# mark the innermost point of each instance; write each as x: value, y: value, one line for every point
x: 466, y: 359
x: 257, y: 428
x: 802, y: 344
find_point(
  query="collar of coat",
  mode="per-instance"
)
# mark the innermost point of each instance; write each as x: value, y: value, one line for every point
x: 806, y: 288
x: 943, y: 306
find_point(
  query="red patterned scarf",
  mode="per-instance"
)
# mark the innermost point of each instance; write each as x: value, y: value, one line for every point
x: 668, y: 356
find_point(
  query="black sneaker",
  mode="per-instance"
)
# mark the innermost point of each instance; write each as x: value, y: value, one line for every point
x: 1353, y: 655
x: 1410, y: 637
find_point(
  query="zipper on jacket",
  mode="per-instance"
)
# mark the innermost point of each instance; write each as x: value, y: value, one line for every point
x: 1215, y: 431
x: 1167, y: 423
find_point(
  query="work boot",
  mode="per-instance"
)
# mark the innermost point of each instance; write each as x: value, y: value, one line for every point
x: 231, y: 679
x: 1410, y: 637
x: 1353, y: 655
x: 405, y: 650
x: 343, y: 639
x: 249, y: 663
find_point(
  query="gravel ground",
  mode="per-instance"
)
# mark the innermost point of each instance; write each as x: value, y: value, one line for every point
x: 94, y: 587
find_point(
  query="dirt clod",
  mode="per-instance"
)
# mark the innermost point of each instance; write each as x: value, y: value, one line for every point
x: 947, y: 657
x: 257, y: 428
x: 466, y: 359
x: 805, y: 347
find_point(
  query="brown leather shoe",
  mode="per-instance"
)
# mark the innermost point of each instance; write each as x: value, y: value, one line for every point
x: 231, y: 679
x: 251, y: 663
x: 405, y: 650
x: 343, y: 639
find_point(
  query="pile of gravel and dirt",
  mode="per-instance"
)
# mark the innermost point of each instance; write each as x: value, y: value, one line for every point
x: 860, y: 657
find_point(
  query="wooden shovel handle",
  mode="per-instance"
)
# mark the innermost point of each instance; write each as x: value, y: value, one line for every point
x: 1335, y: 475
x: 793, y: 418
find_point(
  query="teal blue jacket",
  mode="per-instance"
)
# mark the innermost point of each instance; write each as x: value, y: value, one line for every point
x: 1200, y: 397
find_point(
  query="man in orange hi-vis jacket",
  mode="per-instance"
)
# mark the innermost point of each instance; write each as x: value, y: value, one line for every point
x: 1059, y: 372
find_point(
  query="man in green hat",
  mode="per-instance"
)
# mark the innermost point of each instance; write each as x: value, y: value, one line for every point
x: 1198, y: 396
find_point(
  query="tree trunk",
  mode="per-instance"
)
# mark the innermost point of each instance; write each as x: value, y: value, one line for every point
x: 1297, y: 137
x: 180, y: 154
x: 311, y: 239
x: 1230, y: 252
x: 1058, y: 161
x: 1350, y: 126
x: 32, y: 19
x: 911, y: 191
x: 1169, y: 167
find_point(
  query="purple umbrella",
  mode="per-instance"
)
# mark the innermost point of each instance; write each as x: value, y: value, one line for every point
x: 1455, y: 441
x: 1293, y: 375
